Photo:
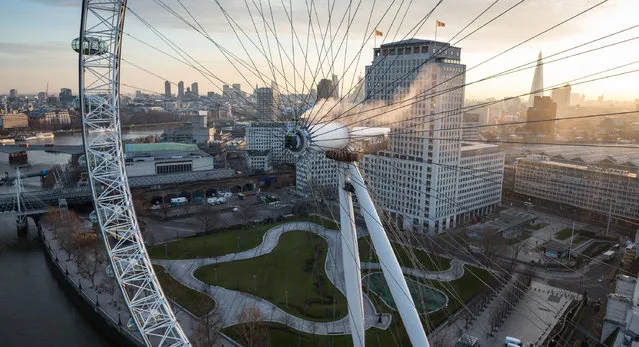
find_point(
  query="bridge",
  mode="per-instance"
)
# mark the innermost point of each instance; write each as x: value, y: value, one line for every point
x: 22, y: 204
x: 67, y: 149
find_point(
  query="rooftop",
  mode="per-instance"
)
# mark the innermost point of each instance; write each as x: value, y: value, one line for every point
x: 412, y: 42
x: 160, y: 146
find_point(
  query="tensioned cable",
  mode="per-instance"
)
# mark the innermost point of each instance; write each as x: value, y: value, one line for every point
x: 503, y: 52
x: 456, y: 112
x: 506, y: 72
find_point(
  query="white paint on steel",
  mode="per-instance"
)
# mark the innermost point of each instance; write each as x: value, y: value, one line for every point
x: 103, y: 20
x: 390, y: 267
x: 350, y: 259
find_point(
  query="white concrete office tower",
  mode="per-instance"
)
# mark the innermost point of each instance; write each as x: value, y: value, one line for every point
x: 416, y: 178
x: 316, y: 176
x: 265, y: 146
x: 267, y: 104
x: 538, y: 81
x: 481, y: 175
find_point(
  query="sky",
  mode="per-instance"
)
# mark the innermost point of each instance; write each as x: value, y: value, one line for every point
x: 241, y: 42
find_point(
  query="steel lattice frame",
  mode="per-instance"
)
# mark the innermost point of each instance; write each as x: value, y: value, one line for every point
x: 99, y: 72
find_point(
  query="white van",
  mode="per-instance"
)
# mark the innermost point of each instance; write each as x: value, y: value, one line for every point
x: 178, y: 201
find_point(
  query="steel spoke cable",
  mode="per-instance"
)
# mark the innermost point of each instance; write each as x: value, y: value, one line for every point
x: 428, y: 14
x: 394, y: 84
x: 444, y: 197
x: 308, y: 122
x: 434, y: 55
x: 456, y: 111
x: 206, y: 73
x: 506, y: 72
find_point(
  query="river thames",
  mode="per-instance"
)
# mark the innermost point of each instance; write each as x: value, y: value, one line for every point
x: 35, y: 310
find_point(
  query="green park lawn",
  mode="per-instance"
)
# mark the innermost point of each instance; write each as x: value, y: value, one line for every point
x: 223, y: 242
x: 192, y: 300
x: 466, y: 288
x: 564, y: 234
x: 428, y: 261
x: 296, y: 267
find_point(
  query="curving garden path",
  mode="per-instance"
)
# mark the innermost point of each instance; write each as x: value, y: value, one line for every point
x: 231, y: 303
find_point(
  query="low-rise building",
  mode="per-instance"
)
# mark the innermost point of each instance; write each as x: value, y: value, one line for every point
x: 598, y: 185
x: 509, y: 225
x: 146, y: 159
x: 621, y: 322
x: 555, y: 249
x: 13, y: 120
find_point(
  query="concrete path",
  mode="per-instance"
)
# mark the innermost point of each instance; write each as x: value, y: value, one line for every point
x: 455, y: 271
x: 232, y: 303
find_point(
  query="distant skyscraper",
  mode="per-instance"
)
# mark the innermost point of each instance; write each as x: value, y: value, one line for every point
x: 562, y: 97
x: 540, y: 115
x: 357, y: 94
x: 194, y: 88
x: 267, y: 104
x: 335, y: 92
x: 13, y: 93
x: 167, y: 89
x: 325, y: 89
x: 537, y: 88
x: 180, y: 89
x: 42, y: 96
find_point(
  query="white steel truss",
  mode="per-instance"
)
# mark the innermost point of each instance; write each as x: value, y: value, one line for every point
x: 99, y: 49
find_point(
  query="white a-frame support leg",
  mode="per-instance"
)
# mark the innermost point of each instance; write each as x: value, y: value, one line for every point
x: 390, y: 267
x: 350, y: 259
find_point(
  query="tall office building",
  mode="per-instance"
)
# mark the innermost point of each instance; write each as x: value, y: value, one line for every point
x: 335, y: 93
x: 13, y: 93
x: 180, y: 89
x: 194, y: 88
x: 267, y: 104
x: 537, y: 88
x: 540, y: 115
x: 562, y: 97
x: 417, y: 178
x: 167, y: 89
x: 325, y: 89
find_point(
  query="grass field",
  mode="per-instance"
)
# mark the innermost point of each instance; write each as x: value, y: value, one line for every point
x: 466, y: 287
x: 564, y: 234
x: 429, y: 262
x: 192, y: 300
x: 295, y: 269
x: 223, y: 242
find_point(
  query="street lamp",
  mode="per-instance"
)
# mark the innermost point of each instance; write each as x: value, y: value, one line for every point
x: 255, y: 283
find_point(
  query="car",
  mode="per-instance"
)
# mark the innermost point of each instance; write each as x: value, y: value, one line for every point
x: 235, y: 209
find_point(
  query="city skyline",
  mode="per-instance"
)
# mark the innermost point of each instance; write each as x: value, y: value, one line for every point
x: 22, y: 68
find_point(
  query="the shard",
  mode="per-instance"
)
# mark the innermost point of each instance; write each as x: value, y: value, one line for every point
x: 537, y: 88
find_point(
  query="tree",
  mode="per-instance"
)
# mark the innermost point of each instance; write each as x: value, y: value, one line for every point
x: 91, y: 257
x: 253, y: 330
x: 206, y: 218
x: 493, y: 244
x: 516, y: 248
x: 208, y: 325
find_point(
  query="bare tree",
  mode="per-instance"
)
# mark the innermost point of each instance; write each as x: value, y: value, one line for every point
x: 207, y: 218
x: 91, y: 258
x: 253, y: 330
x: 516, y: 249
x: 493, y: 244
x: 208, y: 325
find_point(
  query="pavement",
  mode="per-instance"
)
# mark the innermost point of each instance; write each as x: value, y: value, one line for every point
x: 231, y: 303
x: 531, y: 320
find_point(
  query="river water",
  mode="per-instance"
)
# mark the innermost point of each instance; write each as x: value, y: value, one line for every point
x: 34, y: 310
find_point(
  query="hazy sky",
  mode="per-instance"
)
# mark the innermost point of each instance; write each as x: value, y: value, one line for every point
x: 36, y: 35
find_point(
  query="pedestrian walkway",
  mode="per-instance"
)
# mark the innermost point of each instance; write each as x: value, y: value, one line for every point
x: 231, y: 303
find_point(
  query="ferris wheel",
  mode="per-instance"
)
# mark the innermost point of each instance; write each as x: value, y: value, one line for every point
x: 100, y: 50
x: 409, y: 121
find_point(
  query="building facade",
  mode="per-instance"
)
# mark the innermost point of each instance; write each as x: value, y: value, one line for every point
x: 267, y: 104
x: 316, y: 176
x: 13, y: 120
x: 267, y: 137
x: 470, y: 127
x: 541, y: 117
x: 165, y: 158
x: 180, y: 89
x: 167, y: 89
x: 416, y: 178
x: 595, y: 186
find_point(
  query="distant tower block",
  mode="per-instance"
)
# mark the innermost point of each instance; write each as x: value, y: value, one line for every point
x: 537, y: 88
